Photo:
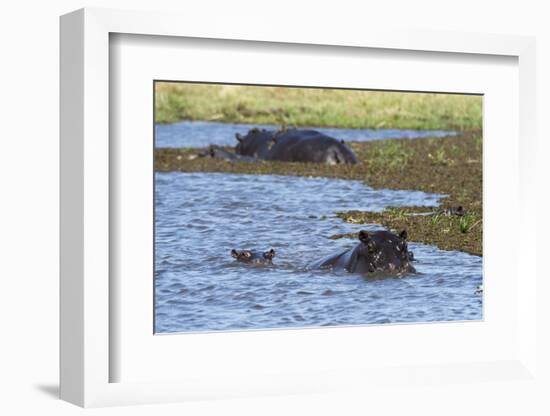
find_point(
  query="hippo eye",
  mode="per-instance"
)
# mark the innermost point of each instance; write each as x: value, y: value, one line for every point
x: 247, y: 254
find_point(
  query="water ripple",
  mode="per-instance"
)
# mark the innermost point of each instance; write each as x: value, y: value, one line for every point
x: 200, y: 217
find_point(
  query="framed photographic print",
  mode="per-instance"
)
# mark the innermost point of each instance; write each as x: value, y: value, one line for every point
x: 267, y: 214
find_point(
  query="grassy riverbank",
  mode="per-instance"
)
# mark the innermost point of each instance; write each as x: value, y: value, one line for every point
x: 451, y: 166
x: 303, y: 107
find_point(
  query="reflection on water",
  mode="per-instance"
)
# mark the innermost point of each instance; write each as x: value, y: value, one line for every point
x: 204, y: 133
x: 200, y: 217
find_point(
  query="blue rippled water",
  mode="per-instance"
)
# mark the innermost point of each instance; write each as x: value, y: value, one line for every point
x: 203, y: 133
x: 200, y: 217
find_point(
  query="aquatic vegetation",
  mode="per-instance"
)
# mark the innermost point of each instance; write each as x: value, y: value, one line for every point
x: 462, y: 195
x: 435, y: 218
x: 439, y: 158
x: 468, y: 222
x: 396, y: 212
x: 390, y: 154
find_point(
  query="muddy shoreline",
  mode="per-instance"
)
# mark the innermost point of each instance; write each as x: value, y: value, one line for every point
x: 450, y: 166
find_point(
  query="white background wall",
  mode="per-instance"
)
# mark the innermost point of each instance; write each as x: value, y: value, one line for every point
x: 29, y: 56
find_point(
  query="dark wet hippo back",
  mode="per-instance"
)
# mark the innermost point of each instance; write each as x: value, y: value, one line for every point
x: 253, y: 256
x: 377, y: 252
x: 294, y: 145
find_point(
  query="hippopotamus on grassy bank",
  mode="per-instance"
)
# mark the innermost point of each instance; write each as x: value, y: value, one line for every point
x: 377, y: 252
x: 294, y: 145
x: 253, y: 256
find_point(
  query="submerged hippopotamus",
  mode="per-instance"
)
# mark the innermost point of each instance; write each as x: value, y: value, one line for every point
x: 377, y: 252
x: 253, y: 256
x: 294, y: 145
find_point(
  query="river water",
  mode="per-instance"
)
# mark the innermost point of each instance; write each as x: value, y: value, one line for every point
x: 200, y: 217
x: 204, y: 133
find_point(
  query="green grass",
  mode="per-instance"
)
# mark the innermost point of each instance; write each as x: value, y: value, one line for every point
x: 390, y: 154
x: 435, y: 219
x: 439, y: 158
x: 302, y: 107
x: 468, y: 222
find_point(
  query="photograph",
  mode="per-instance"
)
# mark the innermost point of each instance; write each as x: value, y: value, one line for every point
x: 290, y: 207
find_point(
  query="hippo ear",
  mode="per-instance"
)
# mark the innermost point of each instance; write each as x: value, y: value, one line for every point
x: 269, y: 254
x: 234, y: 253
x: 403, y: 235
x: 364, y: 236
x: 342, y: 141
x: 239, y: 137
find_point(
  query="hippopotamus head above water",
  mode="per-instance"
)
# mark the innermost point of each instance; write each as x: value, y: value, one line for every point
x: 383, y: 251
x: 253, y: 256
x: 377, y: 252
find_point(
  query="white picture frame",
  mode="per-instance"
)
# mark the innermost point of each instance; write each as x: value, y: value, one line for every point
x: 86, y: 305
